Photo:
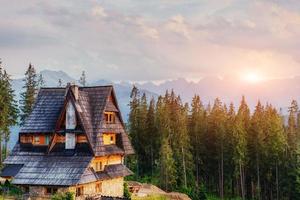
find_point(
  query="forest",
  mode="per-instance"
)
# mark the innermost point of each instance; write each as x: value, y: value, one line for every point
x: 217, y: 149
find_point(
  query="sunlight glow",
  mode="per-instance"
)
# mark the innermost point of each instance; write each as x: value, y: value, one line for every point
x: 251, y: 77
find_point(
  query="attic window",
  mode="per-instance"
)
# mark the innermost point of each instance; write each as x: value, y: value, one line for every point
x: 109, y: 138
x: 110, y: 117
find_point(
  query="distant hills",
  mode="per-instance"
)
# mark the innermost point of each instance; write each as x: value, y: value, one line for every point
x: 278, y: 92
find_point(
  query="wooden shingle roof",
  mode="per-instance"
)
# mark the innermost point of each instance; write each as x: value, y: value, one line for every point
x: 90, y: 106
x: 46, y: 110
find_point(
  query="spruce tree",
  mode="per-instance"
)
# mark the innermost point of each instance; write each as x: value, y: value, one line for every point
x: 60, y: 84
x: 82, y: 79
x: 41, y: 81
x: 8, y: 109
x: 152, y: 136
x: 197, y: 134
x: 292, y: 160
x: 28, y: 95
x: 133, y: 128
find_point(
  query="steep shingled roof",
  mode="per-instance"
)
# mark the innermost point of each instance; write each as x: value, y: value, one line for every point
x: 46, y: 110
x: 91, y: 104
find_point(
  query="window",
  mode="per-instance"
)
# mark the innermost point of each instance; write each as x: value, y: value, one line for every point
x: 51, y: 190
x: 36, y: 139
x: 110, y: 117
x: 98, y: 187
x: 26, y: 189
x: 26, y: 139
x: 99, y: 166
x: 79, y: 191
x: 109, y: 138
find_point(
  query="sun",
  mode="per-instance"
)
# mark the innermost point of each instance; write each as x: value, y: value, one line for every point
x: 252, y: 77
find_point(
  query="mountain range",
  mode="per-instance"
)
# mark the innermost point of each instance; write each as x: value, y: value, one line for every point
x: 278, y: 92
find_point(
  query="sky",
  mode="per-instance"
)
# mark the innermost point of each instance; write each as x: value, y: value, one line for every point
x: 142, y: 40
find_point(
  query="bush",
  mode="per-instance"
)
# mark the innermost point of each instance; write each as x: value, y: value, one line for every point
x: 127, y: 194
x: 8, y: 189
x: 63, y: 196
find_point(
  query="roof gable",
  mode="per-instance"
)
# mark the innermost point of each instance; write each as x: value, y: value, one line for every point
x: 90, y: 103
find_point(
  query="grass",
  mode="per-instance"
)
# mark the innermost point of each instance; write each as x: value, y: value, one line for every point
x: 217, y: 198
x: 7, y: 197
x: 153, y: 197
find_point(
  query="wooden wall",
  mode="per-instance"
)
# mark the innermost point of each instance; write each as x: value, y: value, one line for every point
x: 106, y: 160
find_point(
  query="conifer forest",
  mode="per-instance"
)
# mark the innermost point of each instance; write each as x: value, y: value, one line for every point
x: 217, y: 149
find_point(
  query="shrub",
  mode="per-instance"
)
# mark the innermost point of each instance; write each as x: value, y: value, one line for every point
x: 127, y: 194
x: 63, y: 196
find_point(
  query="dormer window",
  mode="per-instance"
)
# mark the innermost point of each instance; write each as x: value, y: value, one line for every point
x: 110, y: 117
x: 109, y: 138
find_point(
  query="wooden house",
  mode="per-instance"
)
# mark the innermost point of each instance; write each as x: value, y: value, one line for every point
x: 74, y: 140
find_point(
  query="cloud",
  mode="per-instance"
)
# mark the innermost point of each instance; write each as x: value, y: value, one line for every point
x: 98, y: 11
x: 151, y: 40
x: 178, y: 25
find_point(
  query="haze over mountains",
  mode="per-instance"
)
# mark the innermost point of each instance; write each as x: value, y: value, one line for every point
x: 278, y: 92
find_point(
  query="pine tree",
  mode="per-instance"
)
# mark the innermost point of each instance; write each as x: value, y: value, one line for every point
x: 133, y: 128
x: 292, y: 160
x: 216, y: 128
x: 152, y: 136
x: 29, y: 94
x: 240, y: 131
x: 8, y: 109
x: 41, y: 81
x: 82, y: 79
x: 167, y: 166
x: 197, y: 133
x: 275, y: 143
x: 142, y: 138
x: 60, y: 84
x: 255, y: 145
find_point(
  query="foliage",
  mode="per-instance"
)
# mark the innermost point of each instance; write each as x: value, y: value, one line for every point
x: 82, y: 79
x: 8, y: 109
x: 152, y: 197
x: 8, y: 189
x: 214, y: 149
x: 63, y: 196
x: 127, y: 194
x: 30, y: 87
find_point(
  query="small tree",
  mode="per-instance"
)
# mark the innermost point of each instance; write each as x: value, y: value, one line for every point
x: 29, y: 94
x: 82, y: 79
